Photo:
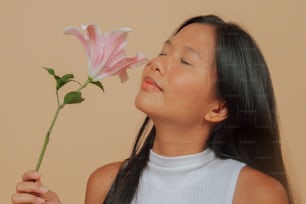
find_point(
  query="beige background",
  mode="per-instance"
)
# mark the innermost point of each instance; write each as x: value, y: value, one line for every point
x: 102, y: 129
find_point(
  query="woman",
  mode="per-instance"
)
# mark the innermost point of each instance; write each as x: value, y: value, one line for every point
x: 213, y: 132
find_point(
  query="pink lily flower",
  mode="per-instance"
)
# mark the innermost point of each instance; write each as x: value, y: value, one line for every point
x: 105, y: 52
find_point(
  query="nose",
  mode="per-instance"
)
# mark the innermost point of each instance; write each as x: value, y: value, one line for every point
x: 157, y: 66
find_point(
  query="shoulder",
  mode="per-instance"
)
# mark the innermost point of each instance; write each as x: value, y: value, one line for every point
x: 100, y: 181
x: 255, y: 187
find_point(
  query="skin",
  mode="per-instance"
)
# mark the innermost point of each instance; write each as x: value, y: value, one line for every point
x: 31, y: 190
x: 178, y: 94
x: 187, y: 107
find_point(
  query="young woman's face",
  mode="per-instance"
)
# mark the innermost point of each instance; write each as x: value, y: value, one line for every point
x: 178, y: 85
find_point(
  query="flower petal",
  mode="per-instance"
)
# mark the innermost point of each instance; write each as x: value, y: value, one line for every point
x: 123, y: 64
x: 79, y: 35
x: 115, y: 42
x: 96, y: 45
x: 123, y: 76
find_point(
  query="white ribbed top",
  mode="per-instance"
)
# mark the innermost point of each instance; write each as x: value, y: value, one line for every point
x: 192, y: 179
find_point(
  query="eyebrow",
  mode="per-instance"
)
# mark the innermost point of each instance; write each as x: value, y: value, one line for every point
x: 168, y: 42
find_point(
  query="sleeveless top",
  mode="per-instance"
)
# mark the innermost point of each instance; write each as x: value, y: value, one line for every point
x: 200, y: 178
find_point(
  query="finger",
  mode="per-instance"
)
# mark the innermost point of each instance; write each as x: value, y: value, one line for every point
x: 51, y: 196
x: 31, y: 176
x: 23, y: 198
x: 31, y: 187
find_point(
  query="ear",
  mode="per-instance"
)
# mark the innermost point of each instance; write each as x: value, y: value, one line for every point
x: 217, y: 113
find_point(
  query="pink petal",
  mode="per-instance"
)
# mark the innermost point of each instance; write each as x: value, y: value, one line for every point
x: 129, y: 62
x: 115, y: 42
x: 78, y: 34
x: 96, y: 45
x: 123, y: 76
x: 123, y: 64
x: 141, y: 59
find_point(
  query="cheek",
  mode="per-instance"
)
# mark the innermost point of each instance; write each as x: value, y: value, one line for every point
x: 191, y: 90
x: 190, y: 83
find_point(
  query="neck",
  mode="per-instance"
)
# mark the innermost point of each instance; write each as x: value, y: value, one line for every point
x: 179, y: 141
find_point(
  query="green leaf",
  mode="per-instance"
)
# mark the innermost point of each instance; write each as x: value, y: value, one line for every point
x: 99, y: 84
x: 67, y: 77
x: 50, y: 71
x: 73, y: 97
x: 61, y: 81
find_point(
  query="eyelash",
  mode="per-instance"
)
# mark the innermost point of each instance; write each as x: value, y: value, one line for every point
x: 182, y: 60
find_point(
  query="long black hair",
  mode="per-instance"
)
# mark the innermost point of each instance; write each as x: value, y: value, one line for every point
x: 249, y: 134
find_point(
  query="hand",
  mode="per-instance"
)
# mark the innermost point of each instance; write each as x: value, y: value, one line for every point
x: 31, y: 191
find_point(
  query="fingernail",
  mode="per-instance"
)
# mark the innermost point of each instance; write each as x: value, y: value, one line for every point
x: 40, y: 200
x: 43, y: 189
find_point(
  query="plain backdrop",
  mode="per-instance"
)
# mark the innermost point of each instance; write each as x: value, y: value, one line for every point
x: 102, y: 128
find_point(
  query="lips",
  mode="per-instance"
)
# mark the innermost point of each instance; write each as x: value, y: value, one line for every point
x: 150, y: 85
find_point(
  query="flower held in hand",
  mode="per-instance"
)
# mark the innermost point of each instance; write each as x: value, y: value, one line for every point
x: 106, y: 57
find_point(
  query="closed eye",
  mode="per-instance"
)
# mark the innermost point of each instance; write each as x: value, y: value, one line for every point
x: 185, y: 62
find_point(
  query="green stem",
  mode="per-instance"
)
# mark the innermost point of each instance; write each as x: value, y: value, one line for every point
x: 85, y: 84
x: 44, y: 147
x: 57, y: 98
x: 47, y: 136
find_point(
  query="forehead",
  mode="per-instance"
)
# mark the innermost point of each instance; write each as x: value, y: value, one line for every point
x: 199, y: 36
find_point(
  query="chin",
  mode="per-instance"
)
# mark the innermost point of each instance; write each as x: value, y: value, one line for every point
x: 146, y: 104
x: 140, y: 103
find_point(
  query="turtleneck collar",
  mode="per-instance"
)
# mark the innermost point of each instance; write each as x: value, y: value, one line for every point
x: 199, y: 159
